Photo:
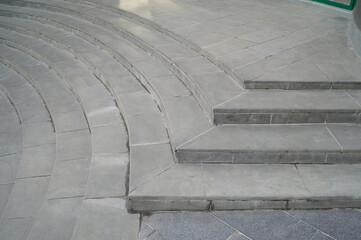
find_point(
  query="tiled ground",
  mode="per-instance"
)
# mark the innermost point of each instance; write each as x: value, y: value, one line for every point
x: 253, y: 225
x: 94, y: 102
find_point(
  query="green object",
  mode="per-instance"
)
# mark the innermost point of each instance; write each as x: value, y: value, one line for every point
x: 346, y: 4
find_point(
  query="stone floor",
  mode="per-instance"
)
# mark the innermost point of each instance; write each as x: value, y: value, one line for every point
x: 192, y: 107
x: 257, y: 225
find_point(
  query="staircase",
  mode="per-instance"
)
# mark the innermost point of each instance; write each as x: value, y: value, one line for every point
x: 121, y: 114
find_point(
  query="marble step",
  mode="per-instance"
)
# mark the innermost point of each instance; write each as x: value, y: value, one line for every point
x: 275, y: 144
x: 291, y: 107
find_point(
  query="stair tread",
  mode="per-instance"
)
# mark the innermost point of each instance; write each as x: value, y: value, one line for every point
x: 275, y: 144
x: 280, y: 100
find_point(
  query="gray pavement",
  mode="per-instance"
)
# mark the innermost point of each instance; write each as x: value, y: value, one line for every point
x: 112, y: 111
x: 255, y: 225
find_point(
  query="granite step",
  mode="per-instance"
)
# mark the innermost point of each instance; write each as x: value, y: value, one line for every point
x: 275, y: 144
x: 290, y: 107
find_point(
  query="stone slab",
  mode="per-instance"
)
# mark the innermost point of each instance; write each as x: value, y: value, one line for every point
x: 105, y: 219
x: 56, y: 220
x: 261, y: 144
x: 69, y: 179
x: 26, y: 197
x: 279, y: 107
x: 107, y: 176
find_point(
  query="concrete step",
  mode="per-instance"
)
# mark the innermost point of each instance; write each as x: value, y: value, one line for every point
x: 208, y: 83
x: 280, y: 71
x: 171, y: 95
x: 272, y: 144
x: 205, y: 187
x: 286, y: 107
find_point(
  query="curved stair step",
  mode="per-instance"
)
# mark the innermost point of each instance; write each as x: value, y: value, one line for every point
x: 200, y: 75
x: 186, y: 106
x: 275, y: 76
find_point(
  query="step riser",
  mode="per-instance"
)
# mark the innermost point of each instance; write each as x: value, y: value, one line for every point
x: 301, y: 85
x: 287, y: 117
x: 147, y: 205
x: 184, y: 156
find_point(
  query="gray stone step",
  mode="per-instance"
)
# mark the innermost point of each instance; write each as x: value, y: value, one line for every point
x: 311, y: 144
x: 332, y: 74
x: 169, y: 92
x: 287, y: 107
x: 197, y: 72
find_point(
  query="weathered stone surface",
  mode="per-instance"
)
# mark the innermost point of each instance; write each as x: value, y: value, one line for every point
x: 108, y: 176
x: 148, y: 161
x: 56, y: 220
x: 69, y: 178
x: 37, y: 161
x: 105, y: 219
x: 26, y: 197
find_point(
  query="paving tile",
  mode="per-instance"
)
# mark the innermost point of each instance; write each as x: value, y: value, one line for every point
x: 187, y: 225
x: 346, y: 136
x: 298, y: 72
x: 320, y: 236
x: 108, y: 176
x: 340, y: 224
x: 279, y: 100
x: 275, y: 62
x: 177, y: 50
x: 109, y: 139
x: 237, y: 236
x: 5, y: 190
x: 26, y: 197
x: 104, y: 115
x: 95, y: 96
x: 155, y: 236
x: 241, y: 58
x: 179, y: 181
x: 266, y: 138
x: 10, y: 142
x: 266, y: 225
x: 74, y: 145
x: 227, y: 46
x: 34, y: 113
x: 106, y: 219
x: 69, y: 179
x: 37, y: 161
x: 15, y: 229
x: 152, y: 69
x: 169, y: 86
x: 185, y: 118
x: 147, y: 129
x: 122, y: 83
x: 334, y: 180
x: 263, y: 35
x: 147, y: 161
x: 56, y: 220
x: 217, y: 87
x: 69, y: 121
x: 37, y: 134
x: 137, y: 103
x: 8, y: 168
x: 196, y: 65
x: 252, y: 181
x: 145, y: 231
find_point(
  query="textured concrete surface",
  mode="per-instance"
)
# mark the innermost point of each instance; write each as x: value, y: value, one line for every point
x: 97, y: 96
